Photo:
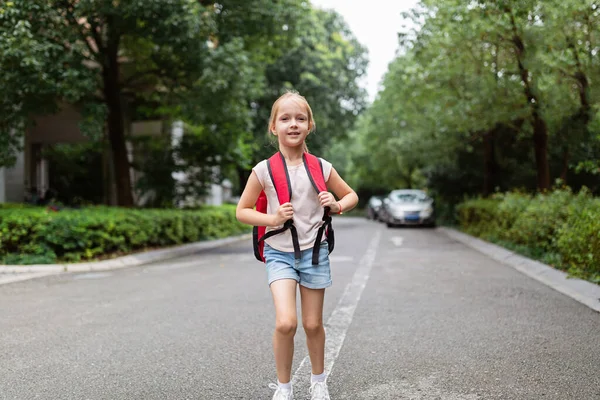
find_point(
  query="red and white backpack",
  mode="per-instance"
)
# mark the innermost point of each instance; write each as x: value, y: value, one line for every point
x: 281, y: 181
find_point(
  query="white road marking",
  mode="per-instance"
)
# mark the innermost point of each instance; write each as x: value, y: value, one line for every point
x: 341, y: 317
x: 397, y: 240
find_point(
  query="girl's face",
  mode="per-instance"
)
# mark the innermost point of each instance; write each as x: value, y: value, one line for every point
x: 291, y: 125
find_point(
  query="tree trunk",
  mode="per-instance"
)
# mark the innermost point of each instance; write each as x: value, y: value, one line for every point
x: 540, y: 130
x: 582, y: 84
x: 116, y: 130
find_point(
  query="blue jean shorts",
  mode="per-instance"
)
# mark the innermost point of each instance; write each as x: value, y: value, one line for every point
x: 283, y: 265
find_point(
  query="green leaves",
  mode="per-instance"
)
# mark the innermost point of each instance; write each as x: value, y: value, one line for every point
x: 218, y: 66
x: 37, y: 235
x: 38, y: 68
x: 470, y: 86
x: 324, y: 62
x: 560, y: 228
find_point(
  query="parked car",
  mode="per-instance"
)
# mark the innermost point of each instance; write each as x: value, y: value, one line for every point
x: 373, y: 206
x: 408, y: 207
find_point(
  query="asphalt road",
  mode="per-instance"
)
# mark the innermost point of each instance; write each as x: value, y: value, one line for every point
x: 412, y: 314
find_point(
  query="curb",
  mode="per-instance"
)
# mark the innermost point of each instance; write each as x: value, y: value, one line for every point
x: 131, y: 260
x: 583, y: 291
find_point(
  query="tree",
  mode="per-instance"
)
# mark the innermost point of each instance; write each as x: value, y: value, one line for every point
x: 477, y: 86
x: 221, y: 110
x: 323, y: 62
x: 36, y: 70
x: 571, y: 55
x: 120, y: 59
x: 101, y: 52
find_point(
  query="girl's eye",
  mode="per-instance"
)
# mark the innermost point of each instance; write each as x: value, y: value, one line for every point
x: 284, y: 118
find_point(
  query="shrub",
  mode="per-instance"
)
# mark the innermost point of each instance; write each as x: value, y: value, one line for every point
x: 72, y: 235
x: 578, y: 241
x: 559, y: 228
x: 536, y: 225
x: 511, y: 206
x: 478, y: 216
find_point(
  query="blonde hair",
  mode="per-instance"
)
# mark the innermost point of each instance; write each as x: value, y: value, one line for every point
x: 295, y: 96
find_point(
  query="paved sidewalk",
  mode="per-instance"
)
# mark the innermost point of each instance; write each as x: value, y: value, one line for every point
x: 583, y: 291
x: 15, y: 273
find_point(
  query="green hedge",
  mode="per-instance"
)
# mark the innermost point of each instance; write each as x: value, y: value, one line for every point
x: 38, y: 235
x: 560, y: 228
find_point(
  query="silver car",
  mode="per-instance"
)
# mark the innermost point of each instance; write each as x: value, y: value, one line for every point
x: 408, y: 207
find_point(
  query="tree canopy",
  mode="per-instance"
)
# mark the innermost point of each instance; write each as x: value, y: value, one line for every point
x: 216, y: 65
x: 485, y: 96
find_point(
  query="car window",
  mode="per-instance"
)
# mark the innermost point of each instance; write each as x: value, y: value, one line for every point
x: 408, y: 197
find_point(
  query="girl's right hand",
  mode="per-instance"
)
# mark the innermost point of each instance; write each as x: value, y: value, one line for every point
x: 284, y: 212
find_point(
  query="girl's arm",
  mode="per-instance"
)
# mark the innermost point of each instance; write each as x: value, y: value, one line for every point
x: 348, y: 198
x: 246, y: 214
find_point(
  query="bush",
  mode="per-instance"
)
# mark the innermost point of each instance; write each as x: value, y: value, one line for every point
x: 511, y: 206
x: 478, y: 217
x: 537, y: 224
x: 578, y: 241
x: 36, y: 234
x: 559, y: 228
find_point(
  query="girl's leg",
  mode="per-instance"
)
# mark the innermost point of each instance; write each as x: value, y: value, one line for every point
x: 286, y: 321
x: 312, y: 320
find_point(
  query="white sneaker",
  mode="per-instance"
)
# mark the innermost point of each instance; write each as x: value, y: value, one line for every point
x: 319, y: 391
x: 281, y: 394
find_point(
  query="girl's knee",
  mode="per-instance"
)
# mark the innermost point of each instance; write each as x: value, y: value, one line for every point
x: 286, y: 326
x: 312, y: 327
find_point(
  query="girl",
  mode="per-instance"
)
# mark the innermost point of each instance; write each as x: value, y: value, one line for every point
x: 291, y: 122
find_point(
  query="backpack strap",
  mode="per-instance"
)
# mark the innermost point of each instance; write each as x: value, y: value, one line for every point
x: 314, y: 169
x: 281, y: 181
x: 279, y: 175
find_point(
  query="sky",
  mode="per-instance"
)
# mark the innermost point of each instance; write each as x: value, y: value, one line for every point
x: 375, y: 23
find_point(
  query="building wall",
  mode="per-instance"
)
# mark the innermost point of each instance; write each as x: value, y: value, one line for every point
x: 14, y: 181
x: 62, y: 127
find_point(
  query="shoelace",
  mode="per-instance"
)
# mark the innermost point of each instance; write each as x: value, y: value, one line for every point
x: 319, y: 391
x: 279, y: 394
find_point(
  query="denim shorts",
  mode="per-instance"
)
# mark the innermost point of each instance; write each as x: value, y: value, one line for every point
x: 283, y: 265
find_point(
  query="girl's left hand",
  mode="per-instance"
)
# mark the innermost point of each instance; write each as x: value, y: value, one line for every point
x: 327, y: 200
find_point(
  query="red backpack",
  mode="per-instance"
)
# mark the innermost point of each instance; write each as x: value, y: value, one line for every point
x: 281, y: 181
